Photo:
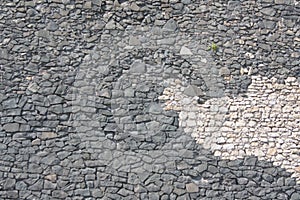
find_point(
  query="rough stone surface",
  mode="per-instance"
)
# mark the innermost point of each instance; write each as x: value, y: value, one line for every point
x: 92, y: 102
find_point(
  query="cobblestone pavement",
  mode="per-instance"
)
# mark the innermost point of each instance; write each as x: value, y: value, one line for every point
x: 85, y: 88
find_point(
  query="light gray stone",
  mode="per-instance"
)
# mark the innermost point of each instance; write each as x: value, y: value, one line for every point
x: 185, y: 51
x: 192, y: 187
x: 171, y: 25
x: 11, y: 127
x: 192, y: 91
x: 138, y: 67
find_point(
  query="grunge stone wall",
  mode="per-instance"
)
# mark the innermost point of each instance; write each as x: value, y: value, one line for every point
x: 105, y: 99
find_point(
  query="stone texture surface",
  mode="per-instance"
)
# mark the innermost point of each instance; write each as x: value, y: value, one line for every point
x: 81, y: 106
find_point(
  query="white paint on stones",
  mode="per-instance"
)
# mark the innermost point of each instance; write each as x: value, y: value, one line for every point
x: 264, y: 124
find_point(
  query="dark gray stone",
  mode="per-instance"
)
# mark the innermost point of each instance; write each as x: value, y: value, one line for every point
x: 251, y: 161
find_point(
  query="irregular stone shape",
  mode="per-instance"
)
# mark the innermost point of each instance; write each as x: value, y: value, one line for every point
x: 52, y: 26
x: 193, y: 91
x: 51, y: 177
x: 192, y: 187
x: 110, y: 25
x: 186, y: 2
x: 138, y: 67
x: 155, y: 109
x: 59, y: 194
x: 283, y: 1
x: 202, y: 167
x: 224, y: 71
x: 106, y: 93
x: 171, y: 25
x: 10, y: 103
x: 185, y: 51
x: 134, y: 7
x: 33, y: 87
x: 268, y: 11
x: 43, y: 33
x: 47, y: 135
x: 295, y: 196
x: 11, y: 127
x: 134, y: 41
x: 9, y: 184
x: 37, y: 186
x: 166, y: 41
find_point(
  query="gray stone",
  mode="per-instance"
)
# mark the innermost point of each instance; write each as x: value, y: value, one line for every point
x: 138, y: 67
x: 97, y: 193
x: 10, y: 103
x: 124, y: 192
x: 153, y: 196
x: 192, y: 187
x: 134, y: 41
x: 52, y: 26
x: 155, y: 109
x: 171, y: 25
x: 49, y: 185
x: 9, y: 184
x: 166, y: 41
x: 11, y: 127
x: 185, y: 51
x: 21, y: 185
x: 13, y: 194
x: 55, y: 99
x: 59, y: 194
x: 213, y: 169
x: 4, y: 54
x: 250, y: 161
x: 202, y: 167
x: 43, y: 33
x: 193, y: 91
x: 34, y: 168
x: 269, y: 24
x: 186, y: 2
x: 290, y: 182
x: 283, y: 1
x: 33, y: 87
x: 82, y: 192
x: 224, y: 71
x: 134, y: 7
x: 37, y: 186
x: 295, y: 196
x: 268, y: 11
x: 110, y: 25
x: 242, y: 181
x: 87, y: 5
x: 129, y: 92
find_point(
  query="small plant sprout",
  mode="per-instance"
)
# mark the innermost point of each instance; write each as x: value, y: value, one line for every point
x: 213, y: 47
